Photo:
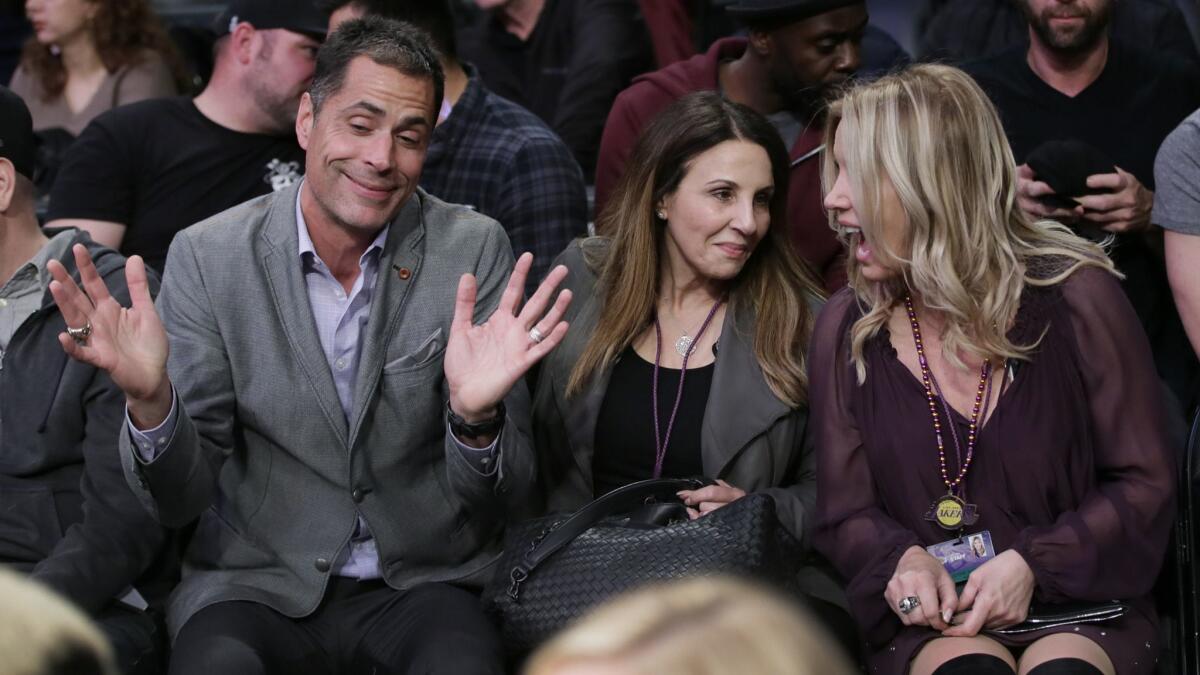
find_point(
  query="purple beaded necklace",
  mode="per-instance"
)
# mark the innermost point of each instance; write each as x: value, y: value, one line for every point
x: 660, y: 442
x: 951, y: 511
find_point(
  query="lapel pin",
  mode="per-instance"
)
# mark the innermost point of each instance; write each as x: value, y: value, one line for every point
x: 403, y: 272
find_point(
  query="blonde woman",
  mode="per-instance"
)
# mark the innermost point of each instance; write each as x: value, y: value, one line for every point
x: 693, y: 627
x: 686, y: 350
x: 982, y: 374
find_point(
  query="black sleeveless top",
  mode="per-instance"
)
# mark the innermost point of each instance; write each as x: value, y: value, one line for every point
x: 625, y: 447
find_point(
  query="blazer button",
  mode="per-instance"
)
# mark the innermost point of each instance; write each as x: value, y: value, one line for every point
x: 357, y: 495
x: 322, y: 565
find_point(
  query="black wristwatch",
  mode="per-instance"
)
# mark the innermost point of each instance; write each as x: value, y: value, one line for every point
x: 464, y: 429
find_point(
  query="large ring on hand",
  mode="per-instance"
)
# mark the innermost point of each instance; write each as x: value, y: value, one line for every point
x: 80, y: 335
x: 907, y: 605
x: 535, y: 335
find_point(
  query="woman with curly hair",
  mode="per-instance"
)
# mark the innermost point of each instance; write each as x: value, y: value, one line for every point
x: 88, y: 56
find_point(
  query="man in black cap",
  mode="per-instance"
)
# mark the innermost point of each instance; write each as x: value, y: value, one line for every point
x: 67, y: 516
x: 797, y: 52
x: 140, y: 173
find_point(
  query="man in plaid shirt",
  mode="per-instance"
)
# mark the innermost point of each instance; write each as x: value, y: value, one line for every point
x: 487, y: 152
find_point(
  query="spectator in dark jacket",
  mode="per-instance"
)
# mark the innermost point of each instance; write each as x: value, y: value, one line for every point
x: 565, y: 60
x: 67, y: 516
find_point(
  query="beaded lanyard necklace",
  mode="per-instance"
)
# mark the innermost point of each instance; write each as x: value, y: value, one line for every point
x: 951, y: 511
x: 660, y: 443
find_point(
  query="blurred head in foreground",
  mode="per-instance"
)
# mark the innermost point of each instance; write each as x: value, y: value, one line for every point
x: 42, y: 634
x: 699, y: 626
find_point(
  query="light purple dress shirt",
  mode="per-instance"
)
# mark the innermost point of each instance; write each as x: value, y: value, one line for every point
x: 340, y: 319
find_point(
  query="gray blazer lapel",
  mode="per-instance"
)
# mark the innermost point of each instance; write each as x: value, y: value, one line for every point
x: 281, y: 268
x: 740, y: 405
x: 402, y: 251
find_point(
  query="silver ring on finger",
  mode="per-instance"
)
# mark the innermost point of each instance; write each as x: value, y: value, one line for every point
x: 907, y: 605
x: 535, y: 335
x: 80, y: 335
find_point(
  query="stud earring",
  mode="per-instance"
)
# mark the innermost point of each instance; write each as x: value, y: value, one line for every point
x: 662, y: 215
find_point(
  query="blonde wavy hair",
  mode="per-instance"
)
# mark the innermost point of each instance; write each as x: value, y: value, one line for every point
x: 774, y: 281
x: 931, y: 133
x: 40, y: 632
x: 699, y: 626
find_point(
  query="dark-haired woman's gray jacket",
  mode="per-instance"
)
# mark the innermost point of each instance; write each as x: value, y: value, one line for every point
x: 749, y: 438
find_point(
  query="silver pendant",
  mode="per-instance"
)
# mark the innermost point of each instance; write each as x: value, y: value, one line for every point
x: 683, y: 345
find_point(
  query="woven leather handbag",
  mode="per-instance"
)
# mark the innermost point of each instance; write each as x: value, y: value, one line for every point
x: 556, y: 568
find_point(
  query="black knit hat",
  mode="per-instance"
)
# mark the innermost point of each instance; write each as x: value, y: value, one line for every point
x: 298, y: 16
x: 17, y: 143
x: 1065, y: 165
x: 785, y: 9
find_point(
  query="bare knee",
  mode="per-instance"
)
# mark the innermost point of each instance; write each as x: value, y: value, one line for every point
x: 944, y: 656
x: 1054, y: 654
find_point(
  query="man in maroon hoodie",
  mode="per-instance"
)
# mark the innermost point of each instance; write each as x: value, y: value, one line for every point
x: 797, y: 52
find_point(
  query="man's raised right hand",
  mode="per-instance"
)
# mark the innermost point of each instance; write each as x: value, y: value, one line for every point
x: 129, y: 344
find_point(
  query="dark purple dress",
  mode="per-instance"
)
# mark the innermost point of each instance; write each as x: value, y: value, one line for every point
x: 1073, y: 469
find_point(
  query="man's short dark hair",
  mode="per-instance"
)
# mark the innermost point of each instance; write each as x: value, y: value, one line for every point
x: 432, y: 16
x: 389, y: 43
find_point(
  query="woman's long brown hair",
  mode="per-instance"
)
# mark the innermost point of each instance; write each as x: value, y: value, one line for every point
x: 774, y: 282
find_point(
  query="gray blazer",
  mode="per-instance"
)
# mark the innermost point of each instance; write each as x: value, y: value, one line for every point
x: 749, y: 437
x: 263, y: 453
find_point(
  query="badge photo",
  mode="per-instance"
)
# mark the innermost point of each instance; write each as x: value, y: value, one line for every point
x: 962, y: 555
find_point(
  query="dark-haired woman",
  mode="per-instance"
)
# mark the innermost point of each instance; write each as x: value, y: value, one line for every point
x: 88, y: 56
x: 686, y: 350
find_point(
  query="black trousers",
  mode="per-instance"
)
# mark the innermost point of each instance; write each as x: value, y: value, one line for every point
x: 360, y: 627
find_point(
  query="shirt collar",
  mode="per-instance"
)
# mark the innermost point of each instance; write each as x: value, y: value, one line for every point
x: 55, y: 249
x: 462, y: 116
x: 306, y: 244
x: 34, y: 272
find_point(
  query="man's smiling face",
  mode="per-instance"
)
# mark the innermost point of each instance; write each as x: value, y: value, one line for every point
x: 366, y: 145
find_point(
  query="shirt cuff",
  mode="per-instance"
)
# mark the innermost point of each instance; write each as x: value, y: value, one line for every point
x: 151, y: 442
x: 482, y: 459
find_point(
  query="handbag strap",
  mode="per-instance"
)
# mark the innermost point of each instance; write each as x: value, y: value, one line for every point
x: 618, y: 501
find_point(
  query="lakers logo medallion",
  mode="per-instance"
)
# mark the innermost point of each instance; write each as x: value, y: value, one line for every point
x: 949, y: 513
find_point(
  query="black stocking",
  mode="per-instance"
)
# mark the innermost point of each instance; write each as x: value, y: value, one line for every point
x: 975, y: 664
x: 1067, y: 666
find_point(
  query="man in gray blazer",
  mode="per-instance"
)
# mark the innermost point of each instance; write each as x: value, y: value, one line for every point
x: 320, y: 396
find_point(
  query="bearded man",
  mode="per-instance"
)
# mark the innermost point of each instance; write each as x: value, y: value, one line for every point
x: 1073, y: 82
x: 140, y: 173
